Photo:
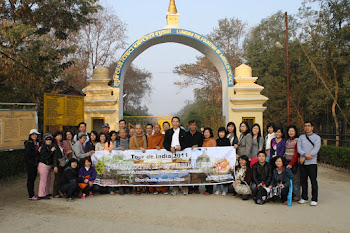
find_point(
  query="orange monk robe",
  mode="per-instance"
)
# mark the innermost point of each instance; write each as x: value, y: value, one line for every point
x: 137, y: 141
x: 155, y: 140
x: 209, y: 142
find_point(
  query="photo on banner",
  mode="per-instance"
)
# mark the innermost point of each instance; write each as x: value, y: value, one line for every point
x: 200, y: 166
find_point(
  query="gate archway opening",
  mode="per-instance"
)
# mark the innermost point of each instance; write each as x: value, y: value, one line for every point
x: 180, y: 36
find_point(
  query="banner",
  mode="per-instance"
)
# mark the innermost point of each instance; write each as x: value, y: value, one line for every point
x: 198, y: 166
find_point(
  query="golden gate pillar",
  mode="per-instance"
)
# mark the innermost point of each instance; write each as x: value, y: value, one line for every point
x: 101, y: 101
x: 245, y: 100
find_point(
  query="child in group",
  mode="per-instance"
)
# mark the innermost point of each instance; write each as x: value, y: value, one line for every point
x: 87, y: 172
x: 222, y: 141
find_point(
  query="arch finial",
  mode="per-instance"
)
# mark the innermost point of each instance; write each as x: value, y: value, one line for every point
x: 172, y: 7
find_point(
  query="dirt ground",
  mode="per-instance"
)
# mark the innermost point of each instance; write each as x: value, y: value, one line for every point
x: 193, y: 213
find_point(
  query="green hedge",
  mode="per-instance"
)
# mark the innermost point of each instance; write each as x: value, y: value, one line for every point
x: 12, y: 163
x: 336, y: 156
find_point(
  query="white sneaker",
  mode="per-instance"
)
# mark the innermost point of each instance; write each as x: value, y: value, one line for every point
x: 173, y: 193
x: 223, y: 194
x: 185, y: 193
x: 217, y: 193
x: 313, y: 203
x: 166, y: 193
x: 302, y: 201
x: 156, y: 193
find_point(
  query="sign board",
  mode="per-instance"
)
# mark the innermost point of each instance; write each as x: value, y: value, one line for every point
x: 161, y: 121
x: 63, y: 109
x: 15, y: 126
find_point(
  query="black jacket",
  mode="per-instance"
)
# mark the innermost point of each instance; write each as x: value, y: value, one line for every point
x: 89, y: 147
x: 31, y: 155
x: 223, y: 142
x: 70, y: 175
x: 169, y: 137
x: 262, y: 173
x: 47, y: 156
x: 194, y: 139
x: 287, y: 175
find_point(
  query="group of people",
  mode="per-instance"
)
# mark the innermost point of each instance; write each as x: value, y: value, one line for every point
x: 266, y: 166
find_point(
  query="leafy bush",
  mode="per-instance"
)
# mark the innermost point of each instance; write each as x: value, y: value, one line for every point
x: 336, y: 156
x: 12, y: 163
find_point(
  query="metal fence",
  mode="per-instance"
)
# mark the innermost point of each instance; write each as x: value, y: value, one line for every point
x: 331, y: 139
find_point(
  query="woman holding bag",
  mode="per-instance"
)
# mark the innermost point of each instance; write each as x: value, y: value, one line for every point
x: 243, y: 178
x: 87, y: 172
x: 46, y: 161
x: 61, y: 162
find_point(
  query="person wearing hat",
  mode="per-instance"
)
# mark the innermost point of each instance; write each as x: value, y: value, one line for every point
x: 105, y: 130
x: 78, y: 148
x: 31, y: 157
x: 46, y: 161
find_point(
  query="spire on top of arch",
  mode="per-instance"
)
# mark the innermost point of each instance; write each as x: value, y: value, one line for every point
x: 172, y: 7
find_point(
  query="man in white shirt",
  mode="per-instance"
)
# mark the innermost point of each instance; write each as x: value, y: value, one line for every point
x: 82, y: 129
x: 175, y: 140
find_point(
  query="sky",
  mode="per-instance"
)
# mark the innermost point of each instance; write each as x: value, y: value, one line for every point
x: 144, y: 16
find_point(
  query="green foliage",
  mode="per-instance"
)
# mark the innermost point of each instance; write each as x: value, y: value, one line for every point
x: 136, y: 88
x: 336, y: 156
x: 323, y: 32
x: 33, y: 53
x: 12, y: 163
x: 207, y: 106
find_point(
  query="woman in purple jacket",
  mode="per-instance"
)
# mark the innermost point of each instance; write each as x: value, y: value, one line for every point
x: 88, y: 172
x: 278, y: 146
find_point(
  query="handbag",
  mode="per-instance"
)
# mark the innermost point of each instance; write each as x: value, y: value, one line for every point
x: 243, y: 189
x: 275, y: 191
x: 63, y: 161
x: 83, y: 185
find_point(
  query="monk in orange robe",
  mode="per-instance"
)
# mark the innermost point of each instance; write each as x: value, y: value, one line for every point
x: 156, y: 142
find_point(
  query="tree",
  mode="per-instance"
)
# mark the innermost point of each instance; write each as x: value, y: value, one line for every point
x: 327, y: 32
x: 228, y: 37
x: 31, y: 54
x: 136, y: 88
x: 264, y: 51
x: 98, y: 42
x: 319, y: 64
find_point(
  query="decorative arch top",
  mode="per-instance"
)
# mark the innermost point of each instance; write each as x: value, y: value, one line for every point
x: 181, y: 36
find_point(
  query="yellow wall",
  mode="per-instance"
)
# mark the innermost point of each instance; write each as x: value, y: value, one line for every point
x: 101, y: 100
